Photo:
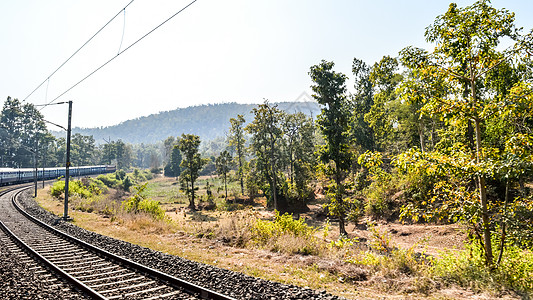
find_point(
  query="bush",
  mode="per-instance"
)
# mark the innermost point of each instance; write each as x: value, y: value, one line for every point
x: 285, y: 234
x: 467, y: 268
x: 76, y: 187
x: 109, y: 180
x: 138, y: 203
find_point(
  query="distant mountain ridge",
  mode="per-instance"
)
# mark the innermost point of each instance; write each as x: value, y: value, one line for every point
x: 207, y: 121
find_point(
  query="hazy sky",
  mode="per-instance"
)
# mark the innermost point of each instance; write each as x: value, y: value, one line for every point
x: 215, y: 51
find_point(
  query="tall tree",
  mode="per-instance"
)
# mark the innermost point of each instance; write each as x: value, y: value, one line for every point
x: 266, y: 144
x: 123, y: 155
x: 237, y: 140
x: 223, y: 162
x: 175, y: 161
x: 299, y: 133
x: 334, y: 121
x: 22, y: 131
x: 82, y: 150
x: 363, y: 99
x: 168, y: 144
x: 383, y: 116
x: 466, y: 52
x: 192, y: 163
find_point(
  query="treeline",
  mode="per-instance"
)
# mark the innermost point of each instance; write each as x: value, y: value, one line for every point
x: 24, y: 138
x: 207, y: 121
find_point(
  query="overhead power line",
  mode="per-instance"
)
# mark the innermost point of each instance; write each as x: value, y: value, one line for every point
x: 126, y: 49
x: 76, y: 52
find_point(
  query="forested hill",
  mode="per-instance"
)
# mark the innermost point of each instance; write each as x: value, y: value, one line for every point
x: 207, y: 121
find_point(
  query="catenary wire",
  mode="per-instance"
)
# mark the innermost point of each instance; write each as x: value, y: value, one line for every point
x: 76, y: 52
x: 126, y: 49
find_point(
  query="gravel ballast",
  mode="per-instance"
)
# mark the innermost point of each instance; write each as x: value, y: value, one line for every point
x: 17, y: 281
x: 227, y: 282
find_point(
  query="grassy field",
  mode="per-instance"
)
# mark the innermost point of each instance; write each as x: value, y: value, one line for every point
x: 377, y: 261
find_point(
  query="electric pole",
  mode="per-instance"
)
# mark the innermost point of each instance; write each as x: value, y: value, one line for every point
x: 67, y: 165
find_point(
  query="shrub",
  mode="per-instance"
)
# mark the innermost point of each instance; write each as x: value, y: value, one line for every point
x: 467, y: 268
x: 76, y: 187
x: 127, y: 183
x: 138, y: 203
x: 286, y: 234
x: 109, y: 180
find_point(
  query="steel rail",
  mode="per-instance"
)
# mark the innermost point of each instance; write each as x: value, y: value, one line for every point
x: 173, y: 281
x: 50, y: 265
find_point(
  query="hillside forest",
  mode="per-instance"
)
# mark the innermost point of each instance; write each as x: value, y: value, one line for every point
x: 440, y: 135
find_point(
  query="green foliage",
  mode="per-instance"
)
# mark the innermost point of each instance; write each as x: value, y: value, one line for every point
x: 223, y: 164
x: 173, y: 169
x: 285, y: 234
x: 75, y: 188
x: 139, y: 203
x: 109, y: 180
x: 127, y: 183
x: 191, y: 163
x: 467, y: 268
x: 334, y: 123
x: 142, y: 175
x: 120, y: 174
x: 21, y: 127
x: 267, y: 144
x: 236, y: 139
x: 262, y: 230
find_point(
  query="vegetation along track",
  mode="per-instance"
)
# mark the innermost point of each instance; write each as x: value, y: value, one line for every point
x: 96, y: 272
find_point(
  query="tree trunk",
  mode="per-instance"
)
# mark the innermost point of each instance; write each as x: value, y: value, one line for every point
x: 239, y: 150
x: 421, y: 135
x: 483, y: 196
x: 273, y: 173
x: 502, y: 240
x: 226, y: 188
x: 192, y: 205
x: 433, y: 134
x: 340, y: 202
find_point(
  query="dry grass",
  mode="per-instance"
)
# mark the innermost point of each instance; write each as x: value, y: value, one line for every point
x: 222, y: 238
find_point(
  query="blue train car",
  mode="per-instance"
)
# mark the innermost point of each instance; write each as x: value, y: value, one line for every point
x: 16, y: 176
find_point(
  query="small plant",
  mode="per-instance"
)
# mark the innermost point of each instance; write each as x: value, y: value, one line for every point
x: 76, y: 187
x: 343, y: 242
x: 286, y: 234
x: 467, y: 268
x: 139, y: 203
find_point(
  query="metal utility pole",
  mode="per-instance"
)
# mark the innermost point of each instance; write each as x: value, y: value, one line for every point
x: 67, y: 165
x: 35, y: 172
x: 44, y: 163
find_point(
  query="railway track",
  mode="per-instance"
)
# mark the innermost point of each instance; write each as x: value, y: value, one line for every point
x: 94, y: 271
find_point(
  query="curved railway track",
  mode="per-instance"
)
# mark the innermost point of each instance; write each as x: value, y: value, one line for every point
x: 96, y: 272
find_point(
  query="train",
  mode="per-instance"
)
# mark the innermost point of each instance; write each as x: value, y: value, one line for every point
x: 10, y: 176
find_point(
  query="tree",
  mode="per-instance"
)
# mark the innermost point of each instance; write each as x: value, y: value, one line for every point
x: 384, y: 116
x: 168, y: 145
x: 82, y: 150
x: 191, y: 164
x: 22, y: 130
x: 123, y: 155
x: 266, y: 142
x: 223, y: 162
x: 363, y: 99
x: 175, y: 161
x: 236, y: 139
x: 334, y: 122
x: 464, y: 56
x: 108, y: 153
x: 300, y: 147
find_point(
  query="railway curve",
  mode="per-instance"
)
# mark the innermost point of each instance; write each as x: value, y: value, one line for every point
x: 231, y: 284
